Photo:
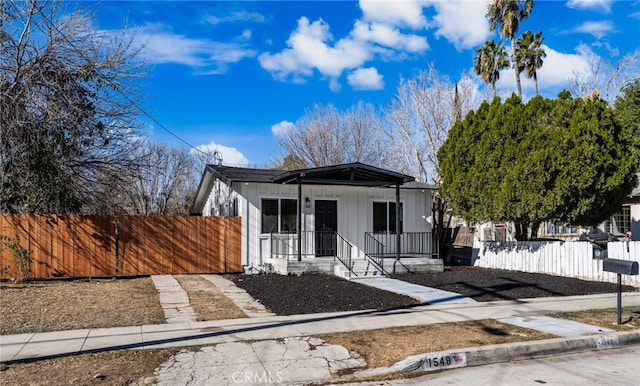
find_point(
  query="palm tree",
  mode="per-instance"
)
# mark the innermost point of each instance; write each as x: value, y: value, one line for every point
x: 508, y: 14
x: 530, y: 54
x: 489, y: 60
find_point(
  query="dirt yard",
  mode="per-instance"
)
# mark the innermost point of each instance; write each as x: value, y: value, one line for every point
x: 42, y: 306
x: 57, y: 305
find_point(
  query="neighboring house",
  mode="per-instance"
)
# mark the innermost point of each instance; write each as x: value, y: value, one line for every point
x: 319, y: 218
x: 627, y: 219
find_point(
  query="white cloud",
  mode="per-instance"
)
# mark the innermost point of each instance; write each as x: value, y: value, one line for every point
x: 387, y: 30
x: 604, y: 5
x: 246, y: 34
x: 240, y: 16
x: 282, y: 128
x: 366, y: 79
x: 462, y: 22
x: 206, y: 55
x: 309, y: 50
x: 599, y: 29
x: 230, y: 155
x: 554, y: 74
x: 405, y: 13
x: 388, y: 36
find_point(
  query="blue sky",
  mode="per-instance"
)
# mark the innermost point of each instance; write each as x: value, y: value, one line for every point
x: 227, y: 75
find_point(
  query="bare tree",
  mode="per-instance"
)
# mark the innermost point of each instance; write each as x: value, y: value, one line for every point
x: 418, y: 122
x: 69, y: 100
x: 607, y: 78
x: 326, y: 136
x: 161, y: 181
x: 419, y: 118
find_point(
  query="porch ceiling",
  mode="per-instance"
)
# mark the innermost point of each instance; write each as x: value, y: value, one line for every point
x: 354, y: 174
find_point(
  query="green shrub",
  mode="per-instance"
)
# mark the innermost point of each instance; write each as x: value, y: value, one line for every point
x: 21, y: 257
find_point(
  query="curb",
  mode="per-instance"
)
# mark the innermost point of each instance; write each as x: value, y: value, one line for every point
x: 479, y: 356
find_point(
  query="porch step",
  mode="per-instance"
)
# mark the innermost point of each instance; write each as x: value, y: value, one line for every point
x: 361, y: 268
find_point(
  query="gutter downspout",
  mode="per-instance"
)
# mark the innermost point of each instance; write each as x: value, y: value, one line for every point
x: 397, y: 222
x: 299, y: 224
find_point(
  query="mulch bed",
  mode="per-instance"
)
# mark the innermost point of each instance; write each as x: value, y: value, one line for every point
x: 316, y: 293
x: 487, y: 285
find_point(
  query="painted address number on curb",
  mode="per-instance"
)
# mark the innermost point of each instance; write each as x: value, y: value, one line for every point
x: 439, y: 362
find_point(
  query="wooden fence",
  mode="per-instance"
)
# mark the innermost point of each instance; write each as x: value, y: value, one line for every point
x: 85, y: 246
x: 571, y: 259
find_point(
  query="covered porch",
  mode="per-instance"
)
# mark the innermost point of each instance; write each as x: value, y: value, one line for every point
x: 321, y: 246
x: 329, y: 252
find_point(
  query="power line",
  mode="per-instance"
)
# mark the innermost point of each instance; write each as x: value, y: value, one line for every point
x: 215, y: 154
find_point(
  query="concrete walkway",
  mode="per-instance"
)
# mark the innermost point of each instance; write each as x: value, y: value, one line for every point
x: 282, y: 349
x: 424, y: 294
x: 173, y: 300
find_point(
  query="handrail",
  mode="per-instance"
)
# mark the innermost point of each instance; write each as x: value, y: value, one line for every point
x: 411, y: 243
x: 343, y: 253
x: 285, y: 245
x: 374, y: 251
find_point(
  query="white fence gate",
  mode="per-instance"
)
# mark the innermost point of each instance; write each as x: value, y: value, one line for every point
x: 570, y: 259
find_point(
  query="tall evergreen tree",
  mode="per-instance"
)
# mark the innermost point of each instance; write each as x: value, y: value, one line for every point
x: 562, y: 160
x: 627, y: 110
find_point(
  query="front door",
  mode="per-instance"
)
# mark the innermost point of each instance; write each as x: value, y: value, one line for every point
x: 326, y: 227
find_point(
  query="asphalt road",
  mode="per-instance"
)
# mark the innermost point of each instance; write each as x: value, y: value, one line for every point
x: 606, y: 367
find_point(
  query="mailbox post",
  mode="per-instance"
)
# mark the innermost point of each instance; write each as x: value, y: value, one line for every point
x: 621, y: 267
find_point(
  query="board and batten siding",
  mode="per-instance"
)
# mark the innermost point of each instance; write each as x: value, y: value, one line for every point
x: 354, y: 206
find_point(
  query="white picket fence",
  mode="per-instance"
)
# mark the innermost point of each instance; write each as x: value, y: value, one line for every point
x: 570, y: 259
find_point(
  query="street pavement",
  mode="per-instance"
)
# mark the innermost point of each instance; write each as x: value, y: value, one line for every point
x: 270, y: 349
x: 613, y: 367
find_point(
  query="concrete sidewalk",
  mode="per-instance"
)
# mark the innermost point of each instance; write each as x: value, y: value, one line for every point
x: 279, y: 347
x: 49, y: 344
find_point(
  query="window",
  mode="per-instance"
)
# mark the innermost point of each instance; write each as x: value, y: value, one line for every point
x: 620, y: 222
x: 560, y: 229
x: 279, y: 216
x: 384, y: 217
x: 288, y: 216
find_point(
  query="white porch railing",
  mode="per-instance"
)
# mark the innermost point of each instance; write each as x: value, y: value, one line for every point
x: 570, y: 259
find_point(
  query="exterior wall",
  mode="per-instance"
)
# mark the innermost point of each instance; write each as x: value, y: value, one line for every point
x: 635, y: 222
x: 354, y: 206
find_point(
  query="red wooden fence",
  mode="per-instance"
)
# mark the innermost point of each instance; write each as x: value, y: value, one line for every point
x: 85, y: 246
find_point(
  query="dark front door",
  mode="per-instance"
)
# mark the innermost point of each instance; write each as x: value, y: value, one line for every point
x: 326, y: 227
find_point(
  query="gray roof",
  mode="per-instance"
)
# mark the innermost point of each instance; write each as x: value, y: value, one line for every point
x: 230, y: 173
x: 356, y: 174
x: 352, y: 174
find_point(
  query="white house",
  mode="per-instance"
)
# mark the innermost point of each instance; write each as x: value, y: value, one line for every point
x: 341, y: 218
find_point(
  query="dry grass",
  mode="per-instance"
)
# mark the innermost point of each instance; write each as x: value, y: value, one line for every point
x: 68, y: 305
x: 207, y: 300
x: 382, y: 348
x: 58, y: 305
x: 104, y: 369
x: 607, y: 318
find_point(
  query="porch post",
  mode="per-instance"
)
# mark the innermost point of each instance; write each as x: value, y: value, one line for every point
x: 299, y: 220
x: 398, y: 221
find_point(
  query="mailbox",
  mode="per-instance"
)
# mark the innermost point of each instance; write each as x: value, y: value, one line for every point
x: 624, y: 267
x: 621, y: 267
